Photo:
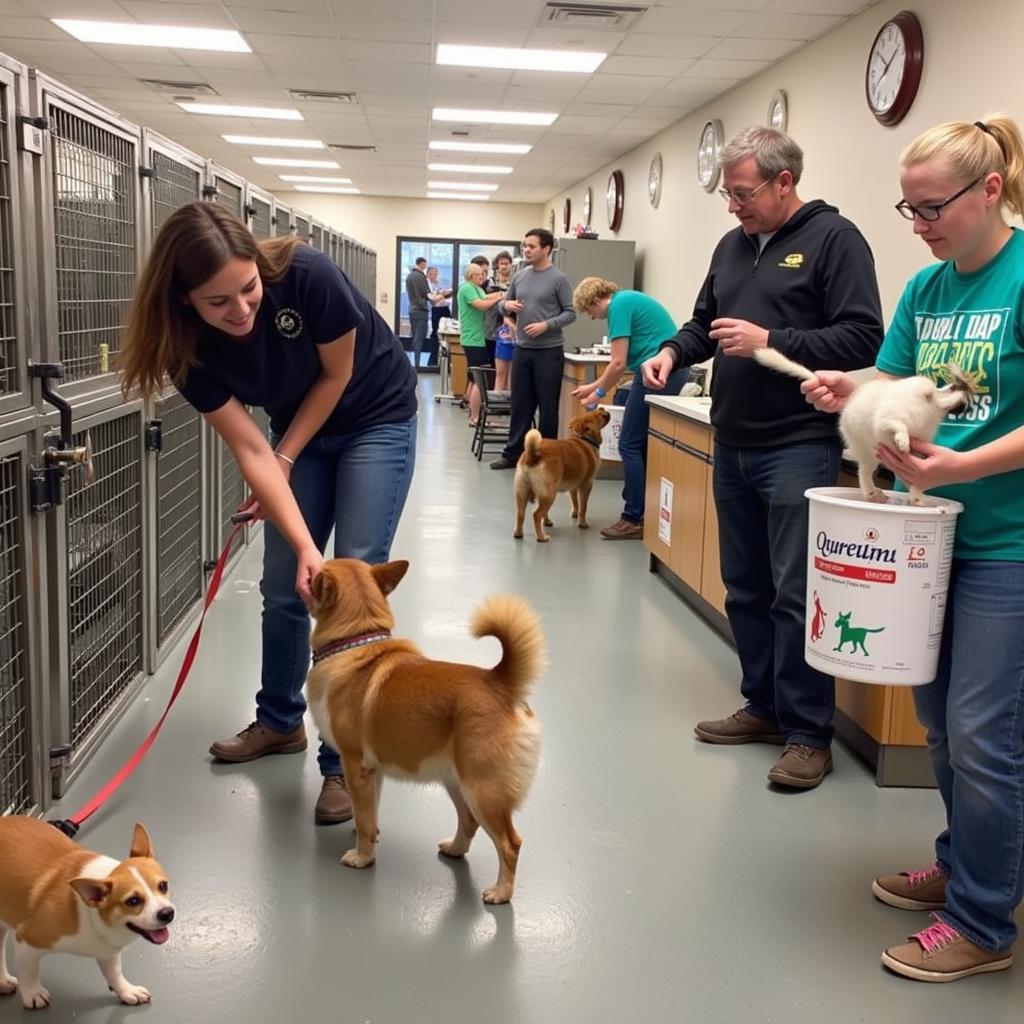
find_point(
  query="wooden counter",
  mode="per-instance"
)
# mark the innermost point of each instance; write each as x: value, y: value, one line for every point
x: 585, y: 369
x: 458, y: 376
x: 681, y: 534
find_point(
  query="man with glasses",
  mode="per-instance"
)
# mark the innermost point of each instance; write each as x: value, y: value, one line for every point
x: 801, y: 278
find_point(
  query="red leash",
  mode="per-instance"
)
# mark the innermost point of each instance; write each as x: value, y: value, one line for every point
x: 71, y: 825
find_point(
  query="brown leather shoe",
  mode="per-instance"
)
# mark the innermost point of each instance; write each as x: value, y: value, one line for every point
x: 740, y: 727
x: 334, y: 804
x: 913, y: 890
x: 257, y: 740
x: 623, y: 530
x: 801, y: 767
x: 941, y: 953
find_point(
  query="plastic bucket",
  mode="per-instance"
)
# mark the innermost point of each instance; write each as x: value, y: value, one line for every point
x: 877, y: 577
x: 610, y: 433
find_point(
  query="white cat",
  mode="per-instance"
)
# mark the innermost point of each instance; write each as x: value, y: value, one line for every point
x: 888, y: 412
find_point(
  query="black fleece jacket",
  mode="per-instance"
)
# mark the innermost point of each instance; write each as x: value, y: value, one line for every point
x: 813, y: 288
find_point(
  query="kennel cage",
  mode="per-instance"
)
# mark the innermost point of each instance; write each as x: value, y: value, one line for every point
x: 301, y: 226
x: 260, y: 208
x: 282, y: 220
x: 171, y: 177
x: 225, y: 188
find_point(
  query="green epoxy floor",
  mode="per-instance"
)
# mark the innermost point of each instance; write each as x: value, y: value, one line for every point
x: 660, y: 879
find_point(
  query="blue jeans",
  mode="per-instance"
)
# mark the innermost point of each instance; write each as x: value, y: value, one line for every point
x: 633, y: 442
x: 974, y: 714
x: 762, y: 517
x: 419, y: 323
x: 356, y: 485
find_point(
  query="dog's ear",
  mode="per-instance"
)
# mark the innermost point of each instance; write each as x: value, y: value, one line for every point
x: 389, y: 575
x: 92, y: 891
x: 142, y: 845
x: 605, y: 416
x: 325, y: 589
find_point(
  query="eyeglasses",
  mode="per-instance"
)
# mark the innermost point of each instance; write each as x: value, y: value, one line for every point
x: 742, y: 196
x: 931, y: 211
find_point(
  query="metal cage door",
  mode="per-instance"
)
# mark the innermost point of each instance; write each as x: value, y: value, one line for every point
x: 225, y: 188
x: 260, y: 208
x: 282, y: 220
x: 171, y: 177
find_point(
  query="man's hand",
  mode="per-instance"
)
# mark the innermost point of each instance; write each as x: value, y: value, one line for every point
x: 656, y: 370
x: 513, y: 305
x: 830, y: 390
x: 737, y: 337
x: 537, y: 329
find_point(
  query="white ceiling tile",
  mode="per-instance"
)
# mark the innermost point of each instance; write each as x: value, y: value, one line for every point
x: 574, y: 39
x: 302, y: 47
x: 729, y: 70
x: 13, y: 8
x: 520, y: 12
x: 479, y: 35
x: 843, y: 8
x: 621, y: 65
x: 671, y: 45
x: 600, y: 109
x: 305, y: 6
x: 28, y: 28
x: 388, y: 53
x: 665, y: 21
x: 101, y: 10
x: 737, y: 48
x: 281, y: 22
x: 704, y: 5
x: 192, y: 15
x: 385, y: 30
x: 146, y: 55
x: 788, y: 26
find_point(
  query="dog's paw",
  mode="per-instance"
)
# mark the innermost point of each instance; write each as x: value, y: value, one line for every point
x: 354, y: 859
x: 497, y: 894
x: 548, y: 522
x: 543, y: 540
x: 575, y: 515
x: 35, y: 998
x: 133, y: 995
x: 8, y: 985
x: 584, y: 525
x: 518, y: 535
x: 449, y: 848
x: 877, y: 497
x: 902, y: 442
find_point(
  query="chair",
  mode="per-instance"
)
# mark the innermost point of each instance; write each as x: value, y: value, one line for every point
x: 495, y: 409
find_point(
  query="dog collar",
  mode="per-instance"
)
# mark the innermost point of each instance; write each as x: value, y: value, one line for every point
x: 349, y: 643
x: 590, y: 441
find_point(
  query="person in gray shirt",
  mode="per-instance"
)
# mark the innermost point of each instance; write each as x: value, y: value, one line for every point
x: 417, y: 288
x: 541, y: 297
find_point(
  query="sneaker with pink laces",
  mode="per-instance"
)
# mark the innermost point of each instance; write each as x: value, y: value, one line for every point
x: 941, y: 953
x: 913, y: 890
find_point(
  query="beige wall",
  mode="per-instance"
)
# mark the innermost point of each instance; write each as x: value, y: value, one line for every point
x: 377, y: 221
x: 850, y: 160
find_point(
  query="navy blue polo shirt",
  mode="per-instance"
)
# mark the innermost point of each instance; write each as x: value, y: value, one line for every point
x: 277, y: 363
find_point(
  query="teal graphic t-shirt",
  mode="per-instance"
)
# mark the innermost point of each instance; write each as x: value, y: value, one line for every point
x: 645, y: 321
x: 977, y: 321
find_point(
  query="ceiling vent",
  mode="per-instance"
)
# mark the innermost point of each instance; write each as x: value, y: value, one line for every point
x: 592, y: 17
x: 351, y: 148
x: 180, y: 90
x: 312, y: 96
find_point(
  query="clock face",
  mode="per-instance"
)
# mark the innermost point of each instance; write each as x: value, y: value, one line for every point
x: 707, y: 155
x: 654, y: 181
x: 588, y: 198
x: 894, y: 67
x: 614, y: 199
x: 777, y: 111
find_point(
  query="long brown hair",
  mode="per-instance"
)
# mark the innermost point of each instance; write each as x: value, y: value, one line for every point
x: 193, y: 245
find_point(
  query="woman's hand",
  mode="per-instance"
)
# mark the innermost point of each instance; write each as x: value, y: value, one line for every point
x: 584, y: 393
x: 829, y: 391
x: 252, y: 506
x: 926, y: 465
x: 310, y: 562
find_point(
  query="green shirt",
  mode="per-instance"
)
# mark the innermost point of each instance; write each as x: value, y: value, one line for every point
x: 645, y: 321
x: 976, y: 320
x: 471, y: 321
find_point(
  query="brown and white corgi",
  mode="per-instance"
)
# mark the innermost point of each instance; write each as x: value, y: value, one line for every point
x: 58, y: 897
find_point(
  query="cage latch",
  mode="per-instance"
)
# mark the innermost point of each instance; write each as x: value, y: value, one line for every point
x: 210, y: 191
x: 60, y: 757
x: 30, y: 133
x: 154, y: 436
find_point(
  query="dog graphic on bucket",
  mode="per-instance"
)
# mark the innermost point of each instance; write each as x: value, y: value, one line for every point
x: 853, y: 635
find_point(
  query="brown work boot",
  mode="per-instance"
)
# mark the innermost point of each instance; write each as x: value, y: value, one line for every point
x: 801, y: 767
x: 623, y: 530
x: 941, y: 953
x: 334, y: 804
x: 913, y: 890
x: 740, y: 727
x: 257, y: 740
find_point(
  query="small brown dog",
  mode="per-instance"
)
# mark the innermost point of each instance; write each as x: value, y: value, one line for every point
x: 389, y: 710
x: 547, y: 467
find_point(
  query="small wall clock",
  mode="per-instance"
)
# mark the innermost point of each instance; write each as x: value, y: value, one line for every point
x: 567, y: 215
x: 893, y: 72
x: 588, y: 200
x: 614, y: 198
x: 654, y: 177
x: 708, y: 146
x: 778, y: 111
x: 551, y: 220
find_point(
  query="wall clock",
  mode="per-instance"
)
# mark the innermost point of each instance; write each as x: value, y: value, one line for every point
x: 778, y: 111
x: 614, y: 197
x: 551, y: 220
x: 567, y: 215
x: 588, y: 199
x: 654, y: 174
x: 708, y: 146
x: 893, y: 72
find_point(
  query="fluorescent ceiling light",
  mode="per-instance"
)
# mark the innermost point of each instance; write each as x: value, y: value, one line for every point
x: 256, y: 140
x: 456, y: 195
x: 470, y: 168
x: 493, y: 116
x: 465, y: 186
x: 226, y: 110
x: 307, y: 178
x: 519, y: 58
x: 174, y: 37
x: 328, y: 188
x: 273, y: 161
x: 482, y: 147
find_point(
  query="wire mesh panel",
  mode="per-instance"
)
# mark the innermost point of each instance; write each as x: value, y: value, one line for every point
x: 229, y: 195
x: 172, y: 186
x: 8, y: 326
x: 262, y: 217
x: 302, y: 227
x: 104, y: 546
x: 15, y: 773
x: 94, y: 205
x: 316, y: 237
x: 179, y: 542
x: 232, y: 490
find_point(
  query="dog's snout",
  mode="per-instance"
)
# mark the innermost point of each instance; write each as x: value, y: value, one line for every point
x: 165, y: 915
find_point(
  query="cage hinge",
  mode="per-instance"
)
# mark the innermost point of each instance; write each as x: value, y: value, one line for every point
x: 249, y: 211
x: 146, y: 172
x: 45, y: 487
x: 155, y: 436
x: 209, y: 191
x: 60, y: 759
x: 209, y: 565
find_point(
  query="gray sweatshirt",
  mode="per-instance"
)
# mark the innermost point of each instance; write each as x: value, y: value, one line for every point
x: 545, y: 295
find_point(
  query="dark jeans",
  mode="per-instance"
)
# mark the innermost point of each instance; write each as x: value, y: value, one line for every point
x: 418, y: 321
x: 633, y: 442
x: 436, y: 314
x: 536, y: 385
x: 762, y: 517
